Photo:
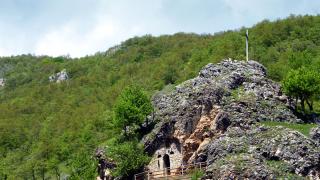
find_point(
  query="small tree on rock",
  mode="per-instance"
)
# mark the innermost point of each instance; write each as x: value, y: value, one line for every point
x: 131, y: 108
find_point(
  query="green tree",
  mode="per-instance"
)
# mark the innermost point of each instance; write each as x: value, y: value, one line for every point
x: 302, y: 84
x: 131, y: 108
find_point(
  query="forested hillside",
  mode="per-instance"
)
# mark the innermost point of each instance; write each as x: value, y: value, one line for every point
x: 50, y: 129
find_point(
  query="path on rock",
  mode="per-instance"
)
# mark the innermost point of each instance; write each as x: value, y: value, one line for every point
x: 182, y: 172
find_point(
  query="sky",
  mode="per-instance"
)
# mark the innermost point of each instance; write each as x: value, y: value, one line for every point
x: 84, y: 27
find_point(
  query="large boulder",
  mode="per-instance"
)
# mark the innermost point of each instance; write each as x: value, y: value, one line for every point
x: 214, y: 117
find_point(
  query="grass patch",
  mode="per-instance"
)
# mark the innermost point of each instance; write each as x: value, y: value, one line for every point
x: 241, y: 95
x: 277, y: 165
x: 197, y: 174
x: 303, y: 128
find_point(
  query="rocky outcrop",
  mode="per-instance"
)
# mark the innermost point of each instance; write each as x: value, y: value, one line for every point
x: 240, y: 89
x: 59, y: 77
x: 222, y: 105
x: 2, y: 82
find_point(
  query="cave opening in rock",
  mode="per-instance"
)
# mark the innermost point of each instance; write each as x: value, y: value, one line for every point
x: 166, y: 163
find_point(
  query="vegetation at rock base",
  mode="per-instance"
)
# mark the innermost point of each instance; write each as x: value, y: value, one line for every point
x: 51, y: 129
x: 129, y: 157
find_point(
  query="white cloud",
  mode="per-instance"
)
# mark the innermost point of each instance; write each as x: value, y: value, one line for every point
x: 113, y: 23
x: 69, y: 39
x: 81, y: 27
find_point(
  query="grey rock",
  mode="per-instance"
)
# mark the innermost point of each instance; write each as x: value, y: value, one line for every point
x: 59, y: 77
x: 276, y: 144
x: 240, y: 166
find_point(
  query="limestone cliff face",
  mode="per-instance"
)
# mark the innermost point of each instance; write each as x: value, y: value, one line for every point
x: 201, y: 111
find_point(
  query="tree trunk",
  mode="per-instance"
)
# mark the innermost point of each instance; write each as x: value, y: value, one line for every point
x: 33, y: 175
x: 57, y: 173
x: 302, y: 104
x: 43, y: 174
x: 310, y: 104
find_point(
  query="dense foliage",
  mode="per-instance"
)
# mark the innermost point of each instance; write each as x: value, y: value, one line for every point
x: 51, y: 129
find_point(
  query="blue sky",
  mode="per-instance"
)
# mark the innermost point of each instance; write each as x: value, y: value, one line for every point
x: 81, y: 27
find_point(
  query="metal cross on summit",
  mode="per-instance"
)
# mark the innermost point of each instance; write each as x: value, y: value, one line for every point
x: 247, y: 45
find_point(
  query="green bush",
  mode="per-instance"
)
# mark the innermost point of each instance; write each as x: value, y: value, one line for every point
x: 303, y: 84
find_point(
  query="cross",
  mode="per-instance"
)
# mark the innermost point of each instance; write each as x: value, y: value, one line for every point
x: 247, y: 45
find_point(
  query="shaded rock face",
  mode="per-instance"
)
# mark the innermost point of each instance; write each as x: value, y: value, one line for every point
x: 232, y: 94
x: 59, y: 77
x: 315, y: 134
